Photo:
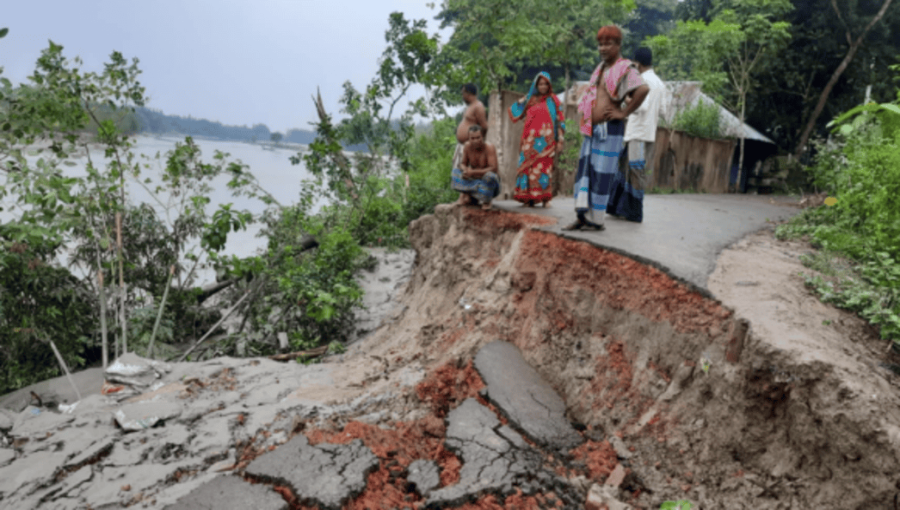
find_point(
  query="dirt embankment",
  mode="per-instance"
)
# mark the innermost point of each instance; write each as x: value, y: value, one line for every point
x: 768, y: 424
x: 675, y: 396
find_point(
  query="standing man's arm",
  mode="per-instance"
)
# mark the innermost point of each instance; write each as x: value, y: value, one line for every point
x: 637, y: 99
x: 481, y: 118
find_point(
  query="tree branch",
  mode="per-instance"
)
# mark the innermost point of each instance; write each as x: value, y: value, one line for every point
x: 823, y: 97
x: 837, y: 11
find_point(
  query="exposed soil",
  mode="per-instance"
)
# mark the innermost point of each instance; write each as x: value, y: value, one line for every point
x: 790, y: 413
x: 677, y: 394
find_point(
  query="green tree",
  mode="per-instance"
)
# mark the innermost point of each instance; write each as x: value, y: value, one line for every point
x: 494, y: 39
x: 741, y: 38
x: 648, y: 19
x: 852, y: 21
x: 276, y: 138
x: 54, y: 211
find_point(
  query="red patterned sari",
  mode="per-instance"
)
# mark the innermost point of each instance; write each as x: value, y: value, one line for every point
x: 544, y: 127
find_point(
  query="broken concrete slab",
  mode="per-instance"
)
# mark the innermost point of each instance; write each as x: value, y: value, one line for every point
x: 223, y: 492
x: 524, y: 396
x: 184, y: 486
x: 26, y: 474
x: 134, y: 370
x: 425, y: 474
x: 35, y: 421
x: 327, y: 475
x: 213, y: 437
x: 120, y: 485
x: 144, y: 415
x: 491, y: 463
x: 95, y: 450
x: 73, y: 484
x: 7, y: 455
x: 7, y: 420
x: 128, y: 453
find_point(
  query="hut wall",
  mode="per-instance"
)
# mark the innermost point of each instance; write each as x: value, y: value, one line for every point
x: 505, y: 136
x: 688, y: 163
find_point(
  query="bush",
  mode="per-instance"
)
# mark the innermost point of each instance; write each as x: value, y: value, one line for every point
x: 861, y: 170
x: 703, y: 120
x: 863, y: 175
x: 310, y: 295
x: 39, y: 302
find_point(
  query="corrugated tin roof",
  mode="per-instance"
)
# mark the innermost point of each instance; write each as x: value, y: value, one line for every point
x: 683, y: 94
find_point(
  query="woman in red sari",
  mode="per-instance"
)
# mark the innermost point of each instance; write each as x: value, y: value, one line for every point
x: 542, y: 139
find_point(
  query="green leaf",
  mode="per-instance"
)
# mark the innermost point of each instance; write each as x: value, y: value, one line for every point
x: 3, y: 32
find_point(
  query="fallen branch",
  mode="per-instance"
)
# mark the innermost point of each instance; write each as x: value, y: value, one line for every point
x: 62, y: 363
x: 216, y: 326
x: 312, y: 353
x: 159, y: 314
x: 307, y: 242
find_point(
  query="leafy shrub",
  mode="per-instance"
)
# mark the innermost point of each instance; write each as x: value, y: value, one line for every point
x: 39, y: 302
x: 864, y: 175
x: 568, y: 160
x: 861, y: 170
x: 703, y: 120
x: 311, y: 295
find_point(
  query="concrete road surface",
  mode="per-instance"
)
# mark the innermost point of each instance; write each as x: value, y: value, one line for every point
x: 681, y: 234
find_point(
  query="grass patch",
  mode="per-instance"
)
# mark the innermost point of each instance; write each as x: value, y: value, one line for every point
x: 868, y: 286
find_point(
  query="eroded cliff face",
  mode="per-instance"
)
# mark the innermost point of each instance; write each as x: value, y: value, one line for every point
x: 625, y: 345
x: 663, y: 392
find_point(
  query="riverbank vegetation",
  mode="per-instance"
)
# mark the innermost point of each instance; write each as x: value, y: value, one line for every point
x: 857, y: 232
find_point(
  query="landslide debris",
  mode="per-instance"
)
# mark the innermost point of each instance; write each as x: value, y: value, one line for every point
x: 519, y: 370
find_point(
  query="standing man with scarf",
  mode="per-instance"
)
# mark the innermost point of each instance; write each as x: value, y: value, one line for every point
x: 603, y: 127
x: 636, y: 164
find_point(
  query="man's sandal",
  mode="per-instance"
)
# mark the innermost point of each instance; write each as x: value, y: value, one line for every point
x: 592, y: 227
x: 578, y: 225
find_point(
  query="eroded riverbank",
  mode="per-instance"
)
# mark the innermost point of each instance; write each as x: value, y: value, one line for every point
x: 670, y: 393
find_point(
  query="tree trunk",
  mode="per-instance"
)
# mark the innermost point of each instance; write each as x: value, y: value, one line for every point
x: 103, y: 331
x: 122, y: 283
x: 740, y: 171
x: 823, y: 97
x: 568, y: 82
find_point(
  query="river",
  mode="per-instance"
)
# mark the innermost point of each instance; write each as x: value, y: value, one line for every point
x: 271, y: 166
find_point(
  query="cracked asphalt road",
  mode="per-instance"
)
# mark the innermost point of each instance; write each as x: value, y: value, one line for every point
x: 327, y: 474
x: 525, y: 397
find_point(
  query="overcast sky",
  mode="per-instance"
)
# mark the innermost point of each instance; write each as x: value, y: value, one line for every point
x: 233, y: 61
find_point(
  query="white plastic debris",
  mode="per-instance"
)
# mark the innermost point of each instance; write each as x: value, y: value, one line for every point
x: 135, y: 374
x: 68, y: 409
x: 144, y: 415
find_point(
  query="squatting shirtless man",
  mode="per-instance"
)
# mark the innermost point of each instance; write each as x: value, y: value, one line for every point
x: 476, y: 176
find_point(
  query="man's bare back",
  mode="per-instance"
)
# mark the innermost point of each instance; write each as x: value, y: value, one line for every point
x: 475, y: 116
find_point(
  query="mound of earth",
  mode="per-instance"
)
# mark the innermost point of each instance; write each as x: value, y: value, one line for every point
x: 520, y: 370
